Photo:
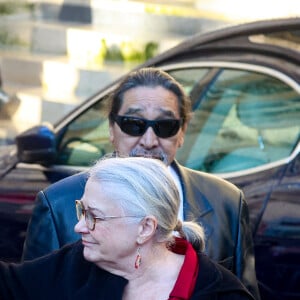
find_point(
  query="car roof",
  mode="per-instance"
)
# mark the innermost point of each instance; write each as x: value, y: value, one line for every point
x: 267, y: 27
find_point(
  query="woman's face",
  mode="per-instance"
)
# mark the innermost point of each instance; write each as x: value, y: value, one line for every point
x: 113, y: 241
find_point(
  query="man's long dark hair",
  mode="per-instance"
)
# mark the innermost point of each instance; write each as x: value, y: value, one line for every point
x: 150, y: 77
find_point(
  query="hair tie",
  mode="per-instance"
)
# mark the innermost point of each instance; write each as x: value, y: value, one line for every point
x: 178, y: 226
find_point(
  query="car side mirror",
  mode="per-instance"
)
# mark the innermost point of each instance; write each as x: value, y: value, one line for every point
x: 37, y: 145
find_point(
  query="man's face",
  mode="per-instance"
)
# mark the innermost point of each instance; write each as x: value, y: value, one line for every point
x: 151, y: 103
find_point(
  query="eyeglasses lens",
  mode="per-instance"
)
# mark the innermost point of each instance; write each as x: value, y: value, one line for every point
x: 133, y: 126
x: 137, y: 126
x: 81, y: 212
x: 166, y: 128
x: 89, y: 219
x: 79, y: 209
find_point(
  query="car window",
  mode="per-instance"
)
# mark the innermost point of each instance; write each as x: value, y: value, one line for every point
x: 86, y: 138
x: 241, y: 119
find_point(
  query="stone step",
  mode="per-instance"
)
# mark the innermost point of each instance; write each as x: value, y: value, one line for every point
x: 58, y: 75
x: 47, y: 88
x: 31, y: 108
x: 135, y: 17
x: 76, y: 48
x: 15, y: 31
x: 82, y: 42
x: 52, y: 60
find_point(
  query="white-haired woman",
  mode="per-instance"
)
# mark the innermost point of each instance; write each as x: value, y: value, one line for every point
x: 133, y: 246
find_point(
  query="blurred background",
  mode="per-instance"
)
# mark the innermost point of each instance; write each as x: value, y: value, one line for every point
x: 56, y: 53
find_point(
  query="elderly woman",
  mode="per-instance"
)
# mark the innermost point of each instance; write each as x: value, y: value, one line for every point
x: 133, y: 246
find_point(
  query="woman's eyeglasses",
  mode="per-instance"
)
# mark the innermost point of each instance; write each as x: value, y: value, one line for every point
x: 137, y: 126
x: 90, y: 219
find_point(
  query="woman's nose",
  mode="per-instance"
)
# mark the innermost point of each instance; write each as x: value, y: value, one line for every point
x: 81, y: 226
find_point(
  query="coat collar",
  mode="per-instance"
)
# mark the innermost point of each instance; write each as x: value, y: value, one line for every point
x: 194, y: 201
x: 196, y: 205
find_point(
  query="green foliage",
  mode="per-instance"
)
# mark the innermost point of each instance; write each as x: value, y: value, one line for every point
x: 7, y: 8
x: 151, y: 50
x: 102, y: 52
x: 129, y: 51
x: 11, y: 7
x: 9, y: 40
x: 113, y: 53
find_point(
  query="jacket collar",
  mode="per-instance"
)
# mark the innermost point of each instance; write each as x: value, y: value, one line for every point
x: 196, y: 206
x: 195, y: 203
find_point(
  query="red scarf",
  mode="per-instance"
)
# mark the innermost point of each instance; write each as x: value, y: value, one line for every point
x: 185, y: 283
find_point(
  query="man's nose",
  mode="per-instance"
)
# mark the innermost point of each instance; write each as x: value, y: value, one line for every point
x: 149, y: 139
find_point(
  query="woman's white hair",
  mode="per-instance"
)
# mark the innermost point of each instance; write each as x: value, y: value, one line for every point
x: 144, y: 186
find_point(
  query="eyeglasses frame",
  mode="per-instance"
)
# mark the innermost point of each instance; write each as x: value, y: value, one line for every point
x: 148, y: 123
x: 105, y: 218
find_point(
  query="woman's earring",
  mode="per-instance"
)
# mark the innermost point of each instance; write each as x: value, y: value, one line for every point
x: 138, y: 259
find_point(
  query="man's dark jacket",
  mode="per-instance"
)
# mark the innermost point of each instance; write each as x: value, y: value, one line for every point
x: 216, y: 204
x: 65, y: 275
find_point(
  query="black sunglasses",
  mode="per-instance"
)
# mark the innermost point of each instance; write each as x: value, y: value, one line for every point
x: 137, y: 126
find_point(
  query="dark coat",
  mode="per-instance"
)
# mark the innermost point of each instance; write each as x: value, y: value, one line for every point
x: 218, y: 205
x: 65, y: 274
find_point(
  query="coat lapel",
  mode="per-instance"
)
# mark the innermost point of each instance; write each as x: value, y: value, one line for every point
x: 196, y: 206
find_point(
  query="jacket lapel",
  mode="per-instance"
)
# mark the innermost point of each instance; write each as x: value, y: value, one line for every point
x: 196, y: 206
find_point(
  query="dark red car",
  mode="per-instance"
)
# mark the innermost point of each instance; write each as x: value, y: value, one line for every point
x: 244, y: 83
